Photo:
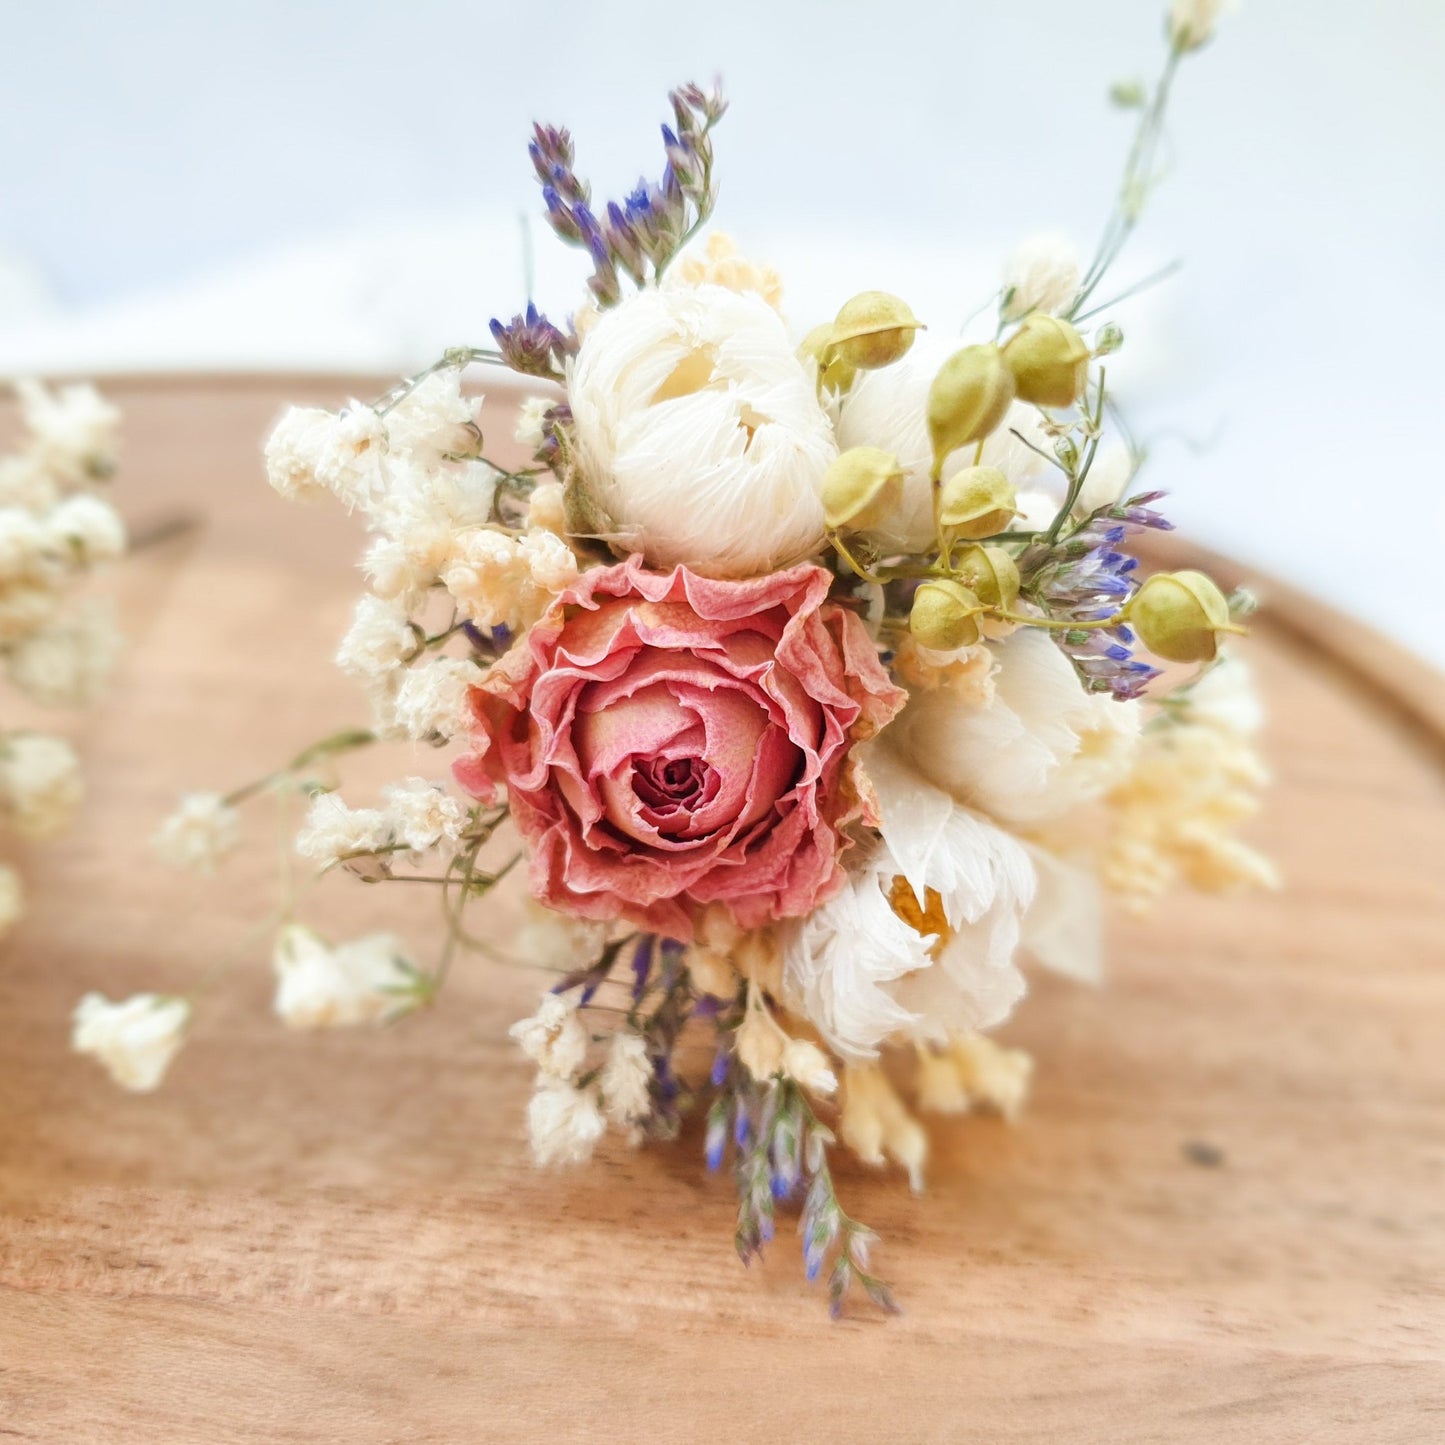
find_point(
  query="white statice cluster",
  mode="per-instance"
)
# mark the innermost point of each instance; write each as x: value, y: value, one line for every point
x: 449, y: 541
x: 571, y: 1105
x: 58, y: 643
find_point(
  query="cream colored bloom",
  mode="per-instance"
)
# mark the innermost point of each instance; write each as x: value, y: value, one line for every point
x: 920, y: 942
x: 67, y: 662
x: 875, y: 1123
x: 73, y: 430
x: 563, y: 1122
x: 722, y: 264
x: 546, y: 508
x: 433, y: 700
x: 1043, y: 747
x: 556, y: 941
x: 1041, y: 275
x: 423, y: 814
x: 809, y: 1067
x: 312, y: 451
x: 626, y: 1079
x: 497, y: 580
x: 135, y: 1039
x: 201, y: 831
x: 531, y: 416
x: 40, y: 784
x: 699, y: 436
x: 553, y: 1038
x: 333, y: 832
x: 966, y: 671
x: 88, y: 527
x: 27, y: 552
x: 379, y: 639
x: 434, y: 422
x: 1192, y: 22
x: 970, y: 1072
x: 12, y: 899
x: 25, y: 483
x: 888, y: 408
x: 366, y: 981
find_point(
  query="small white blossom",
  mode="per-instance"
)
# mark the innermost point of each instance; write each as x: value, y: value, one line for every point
x: 25, y: 482
x: 311, y: 451
x: 434, y: 421
x: 530, y: 417
x: 563, y: 1122
x: 547, y: 508
x: 320, y: 987
x: 67, y: 663
x: 557, y: 941
x: 73, y: 430
x: 627, y: 1078
x: 551, y: 564
x: 89, y: 526
x: 333, y: 831
x: 201, y: 831
x: 379, y: 639
x: 1192, y: 22
x: 553, y: 1038
x: 434, y: 699
x: 40, y: 784
x: 497, y: 580
x: 1041, y: 275
x: 12, y: 898
x: 26, y: 547
x: 135, y: 1039
x: 422, y: 814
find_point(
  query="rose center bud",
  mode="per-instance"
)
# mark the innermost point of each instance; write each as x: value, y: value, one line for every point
x: 667, y: 785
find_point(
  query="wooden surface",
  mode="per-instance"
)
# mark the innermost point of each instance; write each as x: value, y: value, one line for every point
x: 342, y: 1238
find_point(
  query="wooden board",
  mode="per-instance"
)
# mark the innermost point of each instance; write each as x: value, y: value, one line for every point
x: 343, y: 1238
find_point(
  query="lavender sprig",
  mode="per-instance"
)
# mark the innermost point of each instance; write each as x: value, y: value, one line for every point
x: 532, y: 345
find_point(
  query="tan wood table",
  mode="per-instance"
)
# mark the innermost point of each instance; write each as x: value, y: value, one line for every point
x: 342, y: 1237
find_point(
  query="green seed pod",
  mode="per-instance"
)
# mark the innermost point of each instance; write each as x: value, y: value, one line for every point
x: 833, y: 372
x: 968, y: 399
x: 1107, y: 340
x: 862, y: 489
x: 1049, y: 360
x: 991, y: 574
x: 1179, y: 616
x: 874, y: 329
x: 945, y: 615
x: 977, y: 502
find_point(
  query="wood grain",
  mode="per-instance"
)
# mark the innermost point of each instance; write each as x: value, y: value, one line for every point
x: 342, y: 1238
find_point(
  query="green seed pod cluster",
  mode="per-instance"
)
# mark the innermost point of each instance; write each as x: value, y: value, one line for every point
x: 1179, y: 616
x: 945, y: 615
x: 862, y: 489
x: 1049, y: 360
x: 968, y: 399
x: 977, y: 502
x: 873, y: 330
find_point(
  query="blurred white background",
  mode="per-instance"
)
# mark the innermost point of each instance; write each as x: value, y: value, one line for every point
x: 329, y: 185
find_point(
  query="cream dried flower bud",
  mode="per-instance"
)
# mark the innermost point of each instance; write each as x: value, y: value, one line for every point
x: 380, y: 638
x: 547, y: 508
x: 626, y: 1078
x: 564, y: 1122
x: 1041, y: 275
x: 553, y: 1038
x: 434, y: 699
x: 872, y: 330
x: 760, y: 1042
x: 89, y: 527
x: 991, y: 1075
x: 199, y: 833
x: 1192, y: 22
x: 944, y: 615
x: 875, y: 1123
x: 367, y: 981
x: 977, y: 502
x: 1179, y: 616
x: 862, y: 488
x: 969, y: 397
x: 1049, y: 361
x: 423, y: 814
x: 135, y: 1039
x: 991, y: 574
x: 40, y: 784
x: 807, y: 1065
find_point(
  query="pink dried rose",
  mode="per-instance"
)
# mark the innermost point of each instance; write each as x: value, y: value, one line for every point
x: 669, y: 741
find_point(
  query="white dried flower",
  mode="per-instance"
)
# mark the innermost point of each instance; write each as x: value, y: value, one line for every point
x: 553, y: 1038
x: 68, y: 662
x: 563, y: 1122
x: 888, y: 408
x: 531, y: 416
x: 699, y: 435
x: 332, y: 831
x: 199, y: 833
x: 311, y: 451
x: 26, y: 548
x: 627, y: 1079
x: 40, y: 784
x: 423, y: 814
x: 1041, y: 275
x: 434, y: 422
x: 366, y: 981
x: 557, y: 941
x: 434, y: 699
x: 547, y: 508
x: 12, y: 898
x: 87, y: 526
x: 502, y: 581
x: 1192, y: 22
x: 73, y: 430
x: 135, y: 1039
x: 551, y: 563
x: 1043, y: 747
x: 379, y: 639
x: 806, y: 1064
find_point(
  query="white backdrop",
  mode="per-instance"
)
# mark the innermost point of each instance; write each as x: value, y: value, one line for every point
x: 333, y: 184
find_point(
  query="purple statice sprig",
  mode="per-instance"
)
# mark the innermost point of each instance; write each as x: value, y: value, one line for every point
x: 1090, y: 575
x: 532, y: 345
x: 780, y: 1153
x: 639, y: 236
